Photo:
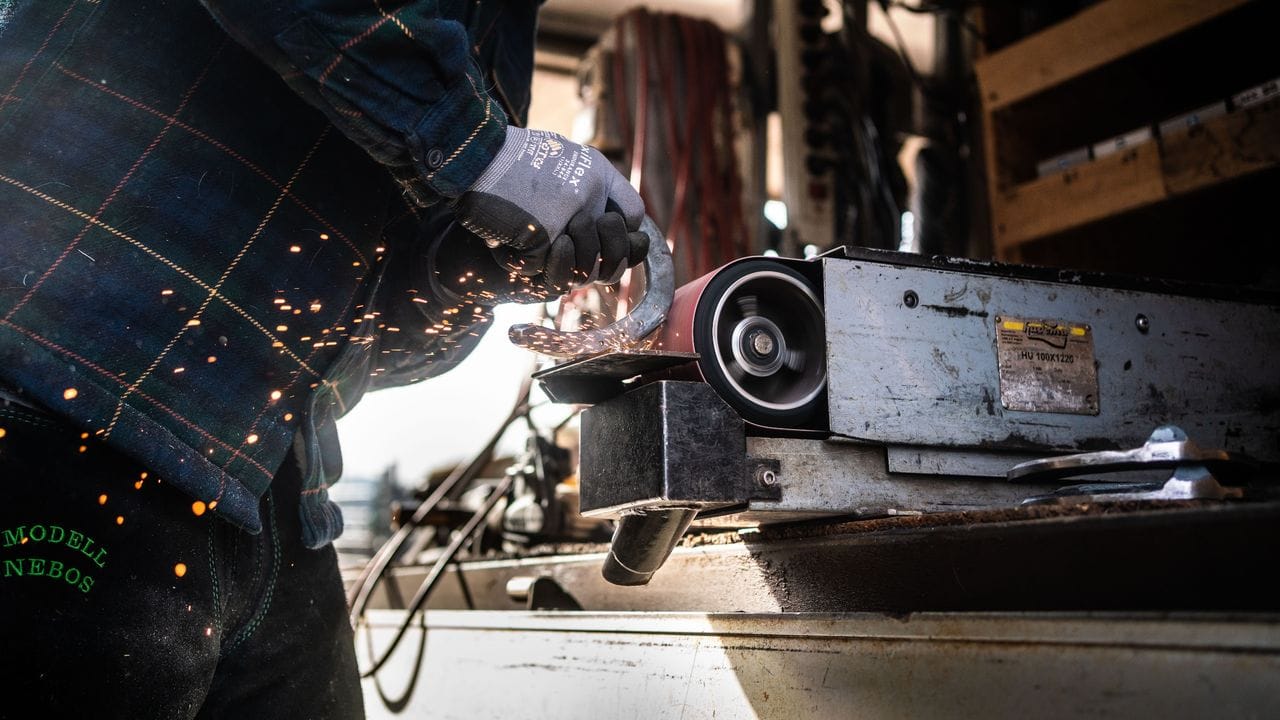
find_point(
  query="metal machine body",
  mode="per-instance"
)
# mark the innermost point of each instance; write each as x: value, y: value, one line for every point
x: 939, y: 357
x: 937, y: 377
x: 930, y: 573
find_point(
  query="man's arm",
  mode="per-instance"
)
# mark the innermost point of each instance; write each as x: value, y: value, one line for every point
x: 396, y: 79
x: 400, y: 82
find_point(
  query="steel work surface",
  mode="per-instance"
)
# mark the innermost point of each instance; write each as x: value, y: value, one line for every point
x: 514, y: 665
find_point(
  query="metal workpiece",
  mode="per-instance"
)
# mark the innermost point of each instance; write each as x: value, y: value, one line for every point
x: 1193, y: 482
x: 665, y: 444
x: 1012, y: 360
x: 643, y: 319
x: 1198, y: 473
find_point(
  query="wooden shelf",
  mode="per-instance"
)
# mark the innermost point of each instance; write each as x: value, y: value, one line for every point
x: 1117, y: 66
x: 1227, y: 147
x: 1095, y: 37
x: 1222, y: 149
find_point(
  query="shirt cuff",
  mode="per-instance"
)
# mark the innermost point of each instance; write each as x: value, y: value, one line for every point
x: 456, y: 140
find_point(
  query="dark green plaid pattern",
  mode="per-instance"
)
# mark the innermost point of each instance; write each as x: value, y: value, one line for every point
x: 193, y: 259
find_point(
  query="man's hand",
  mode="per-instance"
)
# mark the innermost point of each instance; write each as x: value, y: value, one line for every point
x: 548, y: 206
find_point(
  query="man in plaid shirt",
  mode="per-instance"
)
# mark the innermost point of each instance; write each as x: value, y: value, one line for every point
x: 216, y: 225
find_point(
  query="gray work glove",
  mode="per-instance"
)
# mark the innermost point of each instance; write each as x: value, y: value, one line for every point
x: 551, y: 207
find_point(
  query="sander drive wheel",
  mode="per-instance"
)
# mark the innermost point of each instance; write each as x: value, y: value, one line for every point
x: 760, y: 330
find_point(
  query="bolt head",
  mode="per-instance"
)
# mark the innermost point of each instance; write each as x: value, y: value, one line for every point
x: 762, y: 343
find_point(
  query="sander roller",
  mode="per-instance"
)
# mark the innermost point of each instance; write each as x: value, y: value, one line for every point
x: 757, y: 325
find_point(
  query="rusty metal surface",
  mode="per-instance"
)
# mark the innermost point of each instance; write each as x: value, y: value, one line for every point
x: 644, y: 665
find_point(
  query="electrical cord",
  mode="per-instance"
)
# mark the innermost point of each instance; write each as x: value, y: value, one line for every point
x: 376, y: 569
x: 929, y: 8
x: 902, y: 46
x: 461, y: 539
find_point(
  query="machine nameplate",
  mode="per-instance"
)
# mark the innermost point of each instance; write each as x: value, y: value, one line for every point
x: 1046, y: 366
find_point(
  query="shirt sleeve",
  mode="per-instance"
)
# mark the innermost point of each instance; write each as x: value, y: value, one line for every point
x: 396, y: 79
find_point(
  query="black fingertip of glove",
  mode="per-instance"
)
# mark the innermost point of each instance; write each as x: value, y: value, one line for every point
x: 586, y: 242
x: 614, y: 245
x: 638, y: 247
x: 561, y: 263
x: 624, y: 200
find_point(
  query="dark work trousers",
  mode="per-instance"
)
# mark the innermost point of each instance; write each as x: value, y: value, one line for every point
x: 121, y: 597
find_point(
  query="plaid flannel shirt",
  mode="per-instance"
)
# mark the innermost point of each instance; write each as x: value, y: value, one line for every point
x: 203, y: 257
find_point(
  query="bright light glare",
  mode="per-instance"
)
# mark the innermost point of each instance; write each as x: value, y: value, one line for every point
x: 432, y: 424
x: 908, y: 241
x: 775, y: 211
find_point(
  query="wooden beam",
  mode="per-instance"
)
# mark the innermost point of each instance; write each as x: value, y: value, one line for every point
x: 1223, y: 148
x: 1095, y: 190
x: 1086, y: 41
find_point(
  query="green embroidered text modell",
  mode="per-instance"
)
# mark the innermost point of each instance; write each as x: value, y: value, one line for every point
x: 44, y: 537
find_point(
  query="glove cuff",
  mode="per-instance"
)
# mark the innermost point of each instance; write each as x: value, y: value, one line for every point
x: 503, y: 161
